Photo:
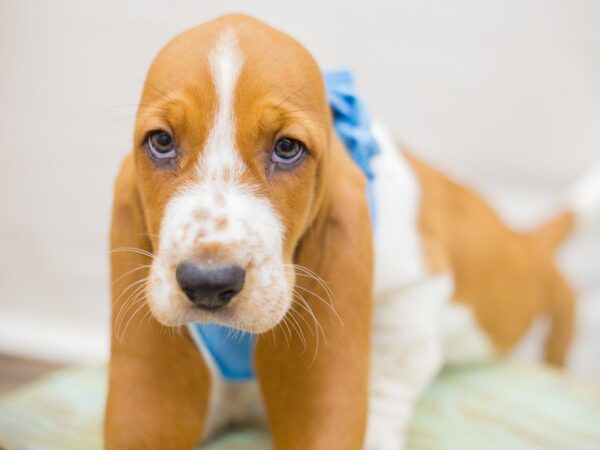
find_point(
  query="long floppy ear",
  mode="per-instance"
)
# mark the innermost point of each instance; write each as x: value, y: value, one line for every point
x: 314, y: 374
x: 159, y: 384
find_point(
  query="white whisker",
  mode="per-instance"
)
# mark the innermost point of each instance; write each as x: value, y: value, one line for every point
x: 298, y: 328
x: 135, y: 250
x: 318, y: 297
x: 139, y: 308
x: 126, y: 304
x: 132, y: 300
x: 143, y: 266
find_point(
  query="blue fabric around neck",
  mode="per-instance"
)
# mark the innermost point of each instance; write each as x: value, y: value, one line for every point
x: 231, y: 351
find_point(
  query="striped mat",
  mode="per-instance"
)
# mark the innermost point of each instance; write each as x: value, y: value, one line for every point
x: 500, y: 405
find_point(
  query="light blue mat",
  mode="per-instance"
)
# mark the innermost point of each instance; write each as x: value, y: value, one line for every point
x: 494, y: 406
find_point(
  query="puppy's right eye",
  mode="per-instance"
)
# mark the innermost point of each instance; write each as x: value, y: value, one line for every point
x: 288, y: 152
x: 161, y: 145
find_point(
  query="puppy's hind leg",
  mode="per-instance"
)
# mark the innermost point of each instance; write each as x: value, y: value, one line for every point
x: 406, y: 355
x: 561, y: 309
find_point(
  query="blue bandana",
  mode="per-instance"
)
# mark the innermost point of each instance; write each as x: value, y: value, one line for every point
x: 231, y: 351
x: 352, y: 123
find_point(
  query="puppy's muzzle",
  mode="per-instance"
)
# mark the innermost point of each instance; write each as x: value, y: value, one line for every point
x: 208, y: 286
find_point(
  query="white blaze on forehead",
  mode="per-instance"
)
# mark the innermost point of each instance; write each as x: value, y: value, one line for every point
x: 220, y: 219
x: 220, y: 155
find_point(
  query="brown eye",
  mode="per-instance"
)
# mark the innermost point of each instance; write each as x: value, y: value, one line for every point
x: 288, y: 151
x: 161, y: 145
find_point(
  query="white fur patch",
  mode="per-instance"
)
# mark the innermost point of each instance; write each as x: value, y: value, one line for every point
x: 406, y: 353
x: 218, y: 219
x: 220, y: 156
x: 413, y: 314
x: 406, y: 346
x: 464, y: 340
x: 398, y: 254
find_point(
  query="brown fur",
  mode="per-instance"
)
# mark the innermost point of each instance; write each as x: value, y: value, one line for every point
x: 507, y: 278
x: 159, y: 384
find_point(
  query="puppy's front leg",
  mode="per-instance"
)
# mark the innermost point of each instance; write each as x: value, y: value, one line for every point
x: 406, y: 354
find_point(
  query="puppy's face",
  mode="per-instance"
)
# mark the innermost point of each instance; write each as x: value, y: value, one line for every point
x: 231, y: 143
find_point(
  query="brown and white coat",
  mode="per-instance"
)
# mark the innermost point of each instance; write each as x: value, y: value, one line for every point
x: 352, y: 325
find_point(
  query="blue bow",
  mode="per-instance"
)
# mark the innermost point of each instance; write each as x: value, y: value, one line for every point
x: 352, y: 123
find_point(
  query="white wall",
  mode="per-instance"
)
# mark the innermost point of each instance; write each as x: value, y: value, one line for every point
x: 505, y: 94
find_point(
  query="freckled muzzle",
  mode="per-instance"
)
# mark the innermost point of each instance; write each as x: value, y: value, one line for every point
x: 220, y: 260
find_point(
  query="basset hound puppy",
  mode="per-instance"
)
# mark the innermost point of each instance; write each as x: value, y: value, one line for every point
x: 277, y: 259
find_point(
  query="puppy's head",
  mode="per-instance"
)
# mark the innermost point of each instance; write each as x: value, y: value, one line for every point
x: 231, y: 147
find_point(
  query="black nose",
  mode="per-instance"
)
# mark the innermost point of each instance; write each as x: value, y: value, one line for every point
x: 209, y: 286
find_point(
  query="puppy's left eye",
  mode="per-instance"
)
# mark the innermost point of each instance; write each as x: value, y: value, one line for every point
x: 288, y: 151
x: 161, y: 145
